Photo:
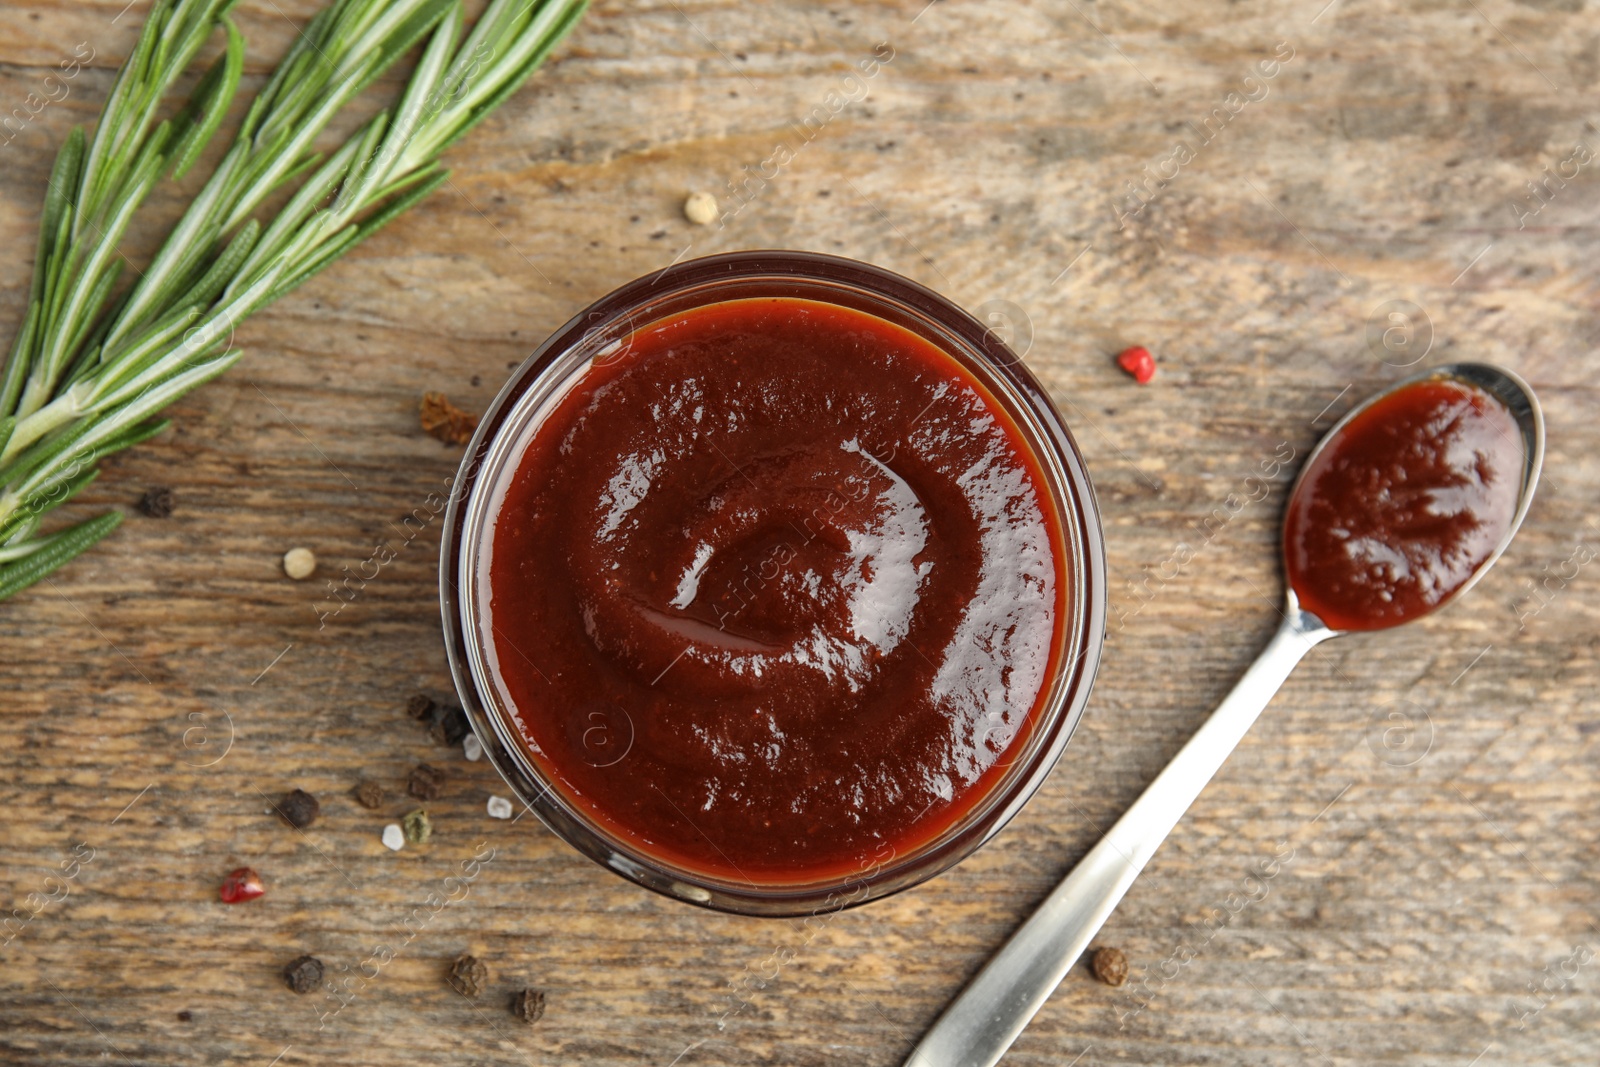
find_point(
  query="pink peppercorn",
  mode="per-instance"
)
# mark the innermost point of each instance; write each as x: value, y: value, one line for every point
x: 1138, y: 362
x: 241, y: 885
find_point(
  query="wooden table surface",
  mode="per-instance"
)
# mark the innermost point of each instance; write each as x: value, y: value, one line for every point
x: 1435, y: 787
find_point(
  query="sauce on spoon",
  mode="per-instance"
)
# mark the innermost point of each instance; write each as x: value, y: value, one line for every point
x: 1402, y: 506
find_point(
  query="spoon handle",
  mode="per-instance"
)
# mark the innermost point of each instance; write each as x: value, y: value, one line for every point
x: 980, y: 1024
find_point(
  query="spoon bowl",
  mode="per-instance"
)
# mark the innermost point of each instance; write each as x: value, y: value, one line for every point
x: 1506, y: 387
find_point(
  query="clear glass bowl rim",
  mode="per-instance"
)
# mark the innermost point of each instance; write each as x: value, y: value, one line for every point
x: 1003, y: 373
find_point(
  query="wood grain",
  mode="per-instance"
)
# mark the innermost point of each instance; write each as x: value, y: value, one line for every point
x: 1438, y: 888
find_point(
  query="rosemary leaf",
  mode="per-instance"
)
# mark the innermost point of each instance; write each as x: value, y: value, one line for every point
x: 52, y: 552
x: 91, y: 369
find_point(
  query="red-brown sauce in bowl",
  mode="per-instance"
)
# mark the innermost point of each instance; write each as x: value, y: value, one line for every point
x: 1405, y: 503
x: 776, y: 589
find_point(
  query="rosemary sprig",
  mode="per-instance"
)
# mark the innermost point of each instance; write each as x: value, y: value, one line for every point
x: 89, y: 373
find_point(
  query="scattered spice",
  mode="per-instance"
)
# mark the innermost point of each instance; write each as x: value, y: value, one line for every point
x: 446, y: 723
x: 528, y: 1005
x: 445, y: 421
x: 242, y: 884
x: 303, y: 974
x: 299, y: 563
x: 472, y: 748
x: 394, y: 838
x: 499, y: 808
x: 1109, y: 965
x: 369, y: 794
x: 299, y: 809
x: 416, y: 826
x: 158, y: 502
x: 1138, y: 362
x: 700, y: 209
x: 468, y: 976
x: 449, y: 725
x: 426, y: 782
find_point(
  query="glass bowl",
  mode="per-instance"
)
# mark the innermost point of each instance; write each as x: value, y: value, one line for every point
x: 599, y: 334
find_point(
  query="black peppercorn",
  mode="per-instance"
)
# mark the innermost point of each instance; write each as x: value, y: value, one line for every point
x: 299, y: 809
x: 426, y: 782
x: 158, y: 502
x: 449, y: 725
x: 303, y: 974
x: 528, y: 1005
x: 468, y: 976
x: 1110, y: 965
x: 369, y: 795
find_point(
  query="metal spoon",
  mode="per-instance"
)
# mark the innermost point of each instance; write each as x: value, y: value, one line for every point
x: 980, y: 1024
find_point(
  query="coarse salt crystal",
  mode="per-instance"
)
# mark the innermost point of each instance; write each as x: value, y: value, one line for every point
x: 499, y: 808
x: 394, y: 837
x: 472, y: 748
